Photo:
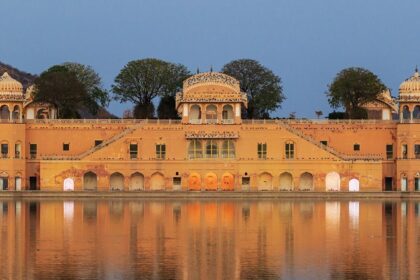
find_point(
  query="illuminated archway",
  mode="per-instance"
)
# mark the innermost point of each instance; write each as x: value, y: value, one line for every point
x: 228, y: 182
x: 211, y: 182
x: 194, y: 182
x: 354, y: 185
x: 68, y: 184
x: 332, y: 181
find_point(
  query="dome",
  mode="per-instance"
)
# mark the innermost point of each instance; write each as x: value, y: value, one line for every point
x: 211, y: 79
x: 9, y: 85
x: 411, y: 85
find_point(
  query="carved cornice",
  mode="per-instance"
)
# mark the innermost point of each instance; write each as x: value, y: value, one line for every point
x: 211, y: 135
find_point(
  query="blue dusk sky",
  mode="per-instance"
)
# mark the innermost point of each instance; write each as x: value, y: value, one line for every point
x: 304, y: 42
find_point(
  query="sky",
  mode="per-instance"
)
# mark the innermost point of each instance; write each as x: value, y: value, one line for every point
x: 305, y: 42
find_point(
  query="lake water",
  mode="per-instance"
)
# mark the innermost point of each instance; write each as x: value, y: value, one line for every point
x: 209, y: 239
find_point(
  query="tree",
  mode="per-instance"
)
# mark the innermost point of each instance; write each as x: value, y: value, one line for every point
x: 262, y: 86
x: 140, y: 81
x: 166, y: 108
x: 318, y: 114
x: 93, y: 85
x: 353, y: 87
x: 60, y: 87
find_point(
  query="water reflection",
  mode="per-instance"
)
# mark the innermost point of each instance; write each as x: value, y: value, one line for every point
x: 209, y: 239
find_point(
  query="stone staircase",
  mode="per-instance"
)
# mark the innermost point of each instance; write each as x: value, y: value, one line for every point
x: 107, y: 142
x: 328, y: 149
x: 96, y: 148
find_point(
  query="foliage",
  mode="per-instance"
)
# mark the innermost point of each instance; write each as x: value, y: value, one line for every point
x: 262, y: 86
x: 337, y: 115
x: 140, y: 81
x: 93, y: 85
x: 166, y: 108
x: 61, y: 87
x: 352, y: 88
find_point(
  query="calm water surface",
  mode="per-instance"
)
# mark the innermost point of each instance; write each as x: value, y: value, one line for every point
x: 209, y: 239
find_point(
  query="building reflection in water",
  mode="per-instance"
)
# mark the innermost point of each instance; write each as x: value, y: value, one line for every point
x: 209, y: 239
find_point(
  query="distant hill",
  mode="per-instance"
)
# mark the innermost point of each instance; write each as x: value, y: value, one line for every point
x: 28, y: 79
x: 25, y: 78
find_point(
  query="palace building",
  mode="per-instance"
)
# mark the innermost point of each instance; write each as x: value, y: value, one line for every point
x: 211, y: 148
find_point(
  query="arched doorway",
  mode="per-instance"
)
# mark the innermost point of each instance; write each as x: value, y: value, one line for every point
x: 68, y: 184
x: 211, y: 182
x: 16, y: 113
x: 265, y: 182
x: 4, y: 181
x: 137, y: 182
x: 195, y: 114
x: 157, y: 182
x: 211, y: 114
x: 306, y: 182
x: 286, y: 181
x: 90, y: 181
x: 332, y: 182
x: 228, y: 182
x: 18, y: 183
x: 194, y: 182
x: 354, y: 185
x: 406, y: 113
x: 116, y: 182
x: 4, y: 112
x: 416, y: 112
x: 227, y: 114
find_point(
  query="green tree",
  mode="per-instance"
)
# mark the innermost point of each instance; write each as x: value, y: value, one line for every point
x: 353, y: 87
x: 93, y: 85
x: 60, y: 87
x: 140, y: 81
x: 262, y: 86
x: 166, y: 108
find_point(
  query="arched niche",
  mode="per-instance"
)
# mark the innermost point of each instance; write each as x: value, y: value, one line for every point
x: 90, y: 181
x: 157, y: 182
x: 227, y: 114
x: 228, y: 182
x: 286, y: 181
x: 195, y: 114
x: 68, y: 184
x: 265, y: 181
x: 332, y: 181
x: 354, y: 185
x: 4, y: 112
x: 306, y: 182
x: 136, y: 182
x: 211, y: 113
x: 116, y: 182
x: 194, y: 182
x: 210, y: 182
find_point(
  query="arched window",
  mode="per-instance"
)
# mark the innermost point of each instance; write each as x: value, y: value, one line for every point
x: 195, y: 150
x: 16, y: 113
x: 195, y: 114
x: 42, y: 114
x: 4, y: 113
x: 211, y: 114
x: 227, y: 114
x: 228, y: 149
x: 18, y: 150
x: 406, y: 113
x: 416, y: 112
x: 4, y: 149
x: 211, y: 149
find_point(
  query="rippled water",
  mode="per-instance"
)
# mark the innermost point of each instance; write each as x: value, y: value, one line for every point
x: 209, y: 239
